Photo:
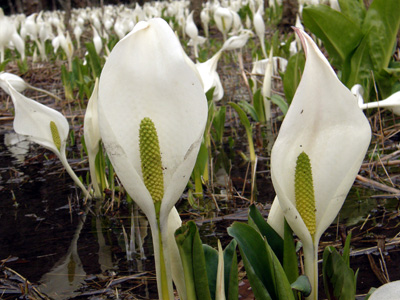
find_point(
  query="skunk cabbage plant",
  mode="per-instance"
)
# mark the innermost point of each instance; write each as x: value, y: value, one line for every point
x: 152, y: 115
x: 44, y: 126
x: 210, y: 77
x: 259, y: 27
x: 20, y: 85
x: 317, y: 155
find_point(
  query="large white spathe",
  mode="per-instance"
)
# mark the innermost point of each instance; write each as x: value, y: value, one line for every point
x: 147, y: 75
x: 326, y: 123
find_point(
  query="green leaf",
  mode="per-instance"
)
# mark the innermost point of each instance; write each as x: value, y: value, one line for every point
x: 258, y: 288
x: 258, y: 102
x: 339, y: 33
x: 354, y: 10
x: 293, y: 73
x: 260, y: 268
x: 231, y: 272
x: 184, y: 237
x: 381, y: 25
x: 242, y: 116
x: 210, y: 93
x: 346, y: 250
x: 278, y: 100
x: 303, y: 285
x: 290, y: 263
x: 358, y: 68
x: 283, y: 287
x: 219, y: 123
x: 193, y: 261
x: 211, y: 257
x: 274, y: 239
x: 338, y: 277
x: 93, y: 59
x: 249, y: 109
x: 247, y: 125
x: 202, y: 159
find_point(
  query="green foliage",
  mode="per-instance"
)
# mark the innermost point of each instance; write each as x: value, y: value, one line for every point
x: 273, y: 13
x: 200, y: 263
x: 211, y: 258
x: 199, y: 169
x: 231, y: 271
x: 292, y: 76
x: 266, y: 275
x: 280, y: 102
x: 339, y: 279
x: 22, y: 66
x: 247, y: 125
x: 67, y: 80
x: 290, y: 263
x: 257, y: 221
x: 93, y: 60
x: 270, y: 261
x: 4, y: 64
x: 245, y: 11
x: 100, y: 169
x: 302, y: 284
x: 193, y: 262
x: 258, y: 102
x: 360, y: 43
x: 333, y: 28
x: 218, y: 124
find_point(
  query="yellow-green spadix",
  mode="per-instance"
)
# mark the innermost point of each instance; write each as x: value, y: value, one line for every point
x: 326, y: 124
x: 147, y: 75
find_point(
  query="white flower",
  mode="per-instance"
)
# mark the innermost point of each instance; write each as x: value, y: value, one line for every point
x: 326, y: 124
x: 147, y: 75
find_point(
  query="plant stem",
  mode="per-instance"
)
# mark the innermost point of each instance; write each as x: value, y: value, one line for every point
x: 73, y: 176
x: 163, y: 270
x: 311, y: 268
x: 45, y: 92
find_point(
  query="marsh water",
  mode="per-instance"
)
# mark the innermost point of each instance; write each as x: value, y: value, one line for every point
x: 68, y: 249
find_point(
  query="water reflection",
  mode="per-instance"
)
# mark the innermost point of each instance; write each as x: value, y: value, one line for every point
x: 134, y: 243
x: 17, y: 144
x: 67, y: 274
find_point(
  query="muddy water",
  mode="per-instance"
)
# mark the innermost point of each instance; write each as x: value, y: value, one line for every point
x: 48, y: 236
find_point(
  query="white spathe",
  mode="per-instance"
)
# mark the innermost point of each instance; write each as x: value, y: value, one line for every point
x: 148, y: 75
x: 16, y: 82
x: 326, y: 123
x: 91, y: 133
x: 259, y: 27
x: 210, y: 77
x: 388, y: 291
x: 237, y: 41
x: 32, y: 119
